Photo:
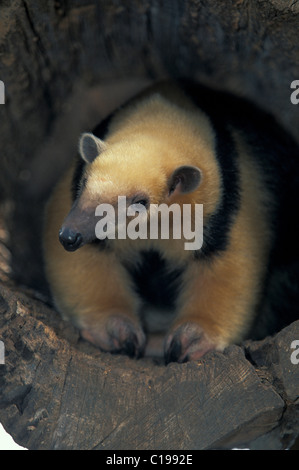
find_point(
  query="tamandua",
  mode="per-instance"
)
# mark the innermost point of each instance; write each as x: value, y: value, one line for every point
x: 166, y: 146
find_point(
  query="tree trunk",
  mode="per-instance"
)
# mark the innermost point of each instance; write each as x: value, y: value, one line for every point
x: 65, y: 65
x: 57, y: 392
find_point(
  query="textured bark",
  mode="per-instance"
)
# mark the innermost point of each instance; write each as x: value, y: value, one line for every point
x: 58, y: 392
x: 65, y: 65
x: 47, y: 48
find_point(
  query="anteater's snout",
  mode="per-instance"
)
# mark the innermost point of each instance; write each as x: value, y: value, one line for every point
x: 70, y: 239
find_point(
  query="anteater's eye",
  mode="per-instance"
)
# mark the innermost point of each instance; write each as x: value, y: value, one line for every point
x: 142, y: 200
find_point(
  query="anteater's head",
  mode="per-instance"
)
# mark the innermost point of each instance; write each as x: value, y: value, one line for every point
x: 144, y: 170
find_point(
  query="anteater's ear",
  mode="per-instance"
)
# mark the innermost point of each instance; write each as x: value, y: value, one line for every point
x: 90, y: 147
x: 185, y: 179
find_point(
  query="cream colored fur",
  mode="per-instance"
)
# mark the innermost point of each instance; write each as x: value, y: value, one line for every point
x: 146, y: 142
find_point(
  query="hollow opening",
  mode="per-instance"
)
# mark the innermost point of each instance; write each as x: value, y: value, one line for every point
x: 65, y: 66
x: 64, y: 78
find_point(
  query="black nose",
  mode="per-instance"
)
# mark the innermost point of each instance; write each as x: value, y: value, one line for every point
x: 70, y: 239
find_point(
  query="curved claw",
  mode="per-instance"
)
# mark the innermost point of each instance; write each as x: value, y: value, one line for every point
x: 188, y: 342
x: 118, y: 335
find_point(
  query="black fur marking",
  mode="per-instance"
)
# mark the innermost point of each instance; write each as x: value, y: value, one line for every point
x: 216, y: 232
x: 155, y: 281
x: 275, y: 152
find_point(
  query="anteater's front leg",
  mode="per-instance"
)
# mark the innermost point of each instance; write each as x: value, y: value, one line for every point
x: 93, y: 291
x: 217, y: 306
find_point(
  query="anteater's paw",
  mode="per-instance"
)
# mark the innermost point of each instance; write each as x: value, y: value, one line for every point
x: 188, y: 342
x: 117, y: 335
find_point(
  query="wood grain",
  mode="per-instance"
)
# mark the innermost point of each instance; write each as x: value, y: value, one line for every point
x: 58, y: 392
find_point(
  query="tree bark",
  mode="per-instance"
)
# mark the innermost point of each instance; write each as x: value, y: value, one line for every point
x: 65, y: 65
x: 58, y: 392
x: 47, y: 48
